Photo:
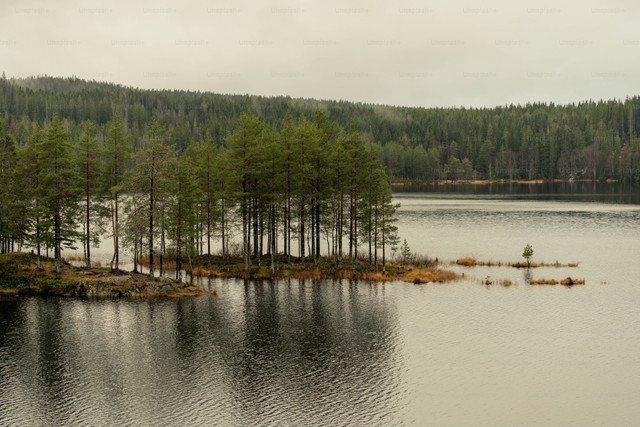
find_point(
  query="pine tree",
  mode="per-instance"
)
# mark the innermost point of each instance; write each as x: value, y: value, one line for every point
x: 387, y: 219
x: 224, y: 196
x: 185, y: 213
x: 244, y: 145
x: 12, y: 206
x: 58, y: 182
x: 340, y: 185
x: 29, y: 170
x: 355, y: 153
x: 287, y: 142
x: 322, y: 182
x: 273, y: 178
x: 117, y: 154
x: 405, y: 253
x: 88, y: 160
x: 305, y: 151
x: 151, y: 176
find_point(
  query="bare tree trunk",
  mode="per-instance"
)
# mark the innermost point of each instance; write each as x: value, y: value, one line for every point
x: 162, y: 249
x: 151, y: 216
x: 88, y: 255
x: 38, y: 242
x: 317, y: 230
x: 57, y: 252
x: 245, y: 226
x: 302, y: 254
x: 340, y: 223
x: 224, y: 234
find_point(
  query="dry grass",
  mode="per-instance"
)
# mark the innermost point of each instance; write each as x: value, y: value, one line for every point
x: 417, y: 275
x: 543, y: 282
x: 567, y: 282
x: 427, y: 275
x: 570, y: 282
x: 200, y: 271
x: 472, y: 262
x: 168, y: 263
x: 74, y: 258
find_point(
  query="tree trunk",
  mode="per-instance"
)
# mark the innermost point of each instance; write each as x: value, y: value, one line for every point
x: 38, y: 242
x: 318, y: 231
x: 383, y: 245
x: 88, y: 257
x: 151, y: 216
x: 245, y: 225
x: 116, y: 230
x: 224, y: 235
x: 57, y: 252
x: 340, y: 223
x: 302, y: 226
x: 162, y: 248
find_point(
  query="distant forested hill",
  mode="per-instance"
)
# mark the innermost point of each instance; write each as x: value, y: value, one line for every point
x: 594, y: 139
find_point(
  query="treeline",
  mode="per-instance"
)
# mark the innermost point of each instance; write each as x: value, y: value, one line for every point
x: 309, y: 188
x: 593, y: 139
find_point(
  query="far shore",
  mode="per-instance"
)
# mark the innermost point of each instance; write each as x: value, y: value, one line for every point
x: 396, y: 184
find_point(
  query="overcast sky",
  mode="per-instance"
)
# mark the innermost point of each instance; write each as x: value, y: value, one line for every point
x: 437, y: 53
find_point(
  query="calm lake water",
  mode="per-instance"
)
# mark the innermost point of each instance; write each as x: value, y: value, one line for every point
x: 340, y: 353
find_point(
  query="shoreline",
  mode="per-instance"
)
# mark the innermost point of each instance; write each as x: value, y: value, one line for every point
x: 499, y: 181
x: 325, y: 269
x: 19, y: 275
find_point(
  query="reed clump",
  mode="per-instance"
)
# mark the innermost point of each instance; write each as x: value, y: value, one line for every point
x: 543, y: 282
x: 570, y: 282
x: 429, y: 275
x: 567, y: 282
x: 472, y: 262
x: 168, y: 262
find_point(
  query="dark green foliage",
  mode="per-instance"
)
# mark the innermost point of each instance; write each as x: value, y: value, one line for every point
x: 58, y: 187
x: 306, y: 183
x: 528, y: 253
x: 117, y: 153
x: 593, y: 139
x: 94, y: 212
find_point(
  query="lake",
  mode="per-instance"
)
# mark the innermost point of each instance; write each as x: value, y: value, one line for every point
x: 341, y: 353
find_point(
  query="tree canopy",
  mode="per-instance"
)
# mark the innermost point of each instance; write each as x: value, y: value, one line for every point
x: 595, y: 139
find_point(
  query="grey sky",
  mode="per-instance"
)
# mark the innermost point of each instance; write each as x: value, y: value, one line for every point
x: 438, y: 53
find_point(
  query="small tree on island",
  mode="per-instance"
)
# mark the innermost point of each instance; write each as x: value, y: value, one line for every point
x: 405, y: 253
x: 527, y: 254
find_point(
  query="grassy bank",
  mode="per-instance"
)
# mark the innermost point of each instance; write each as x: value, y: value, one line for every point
x: 19, y: 275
